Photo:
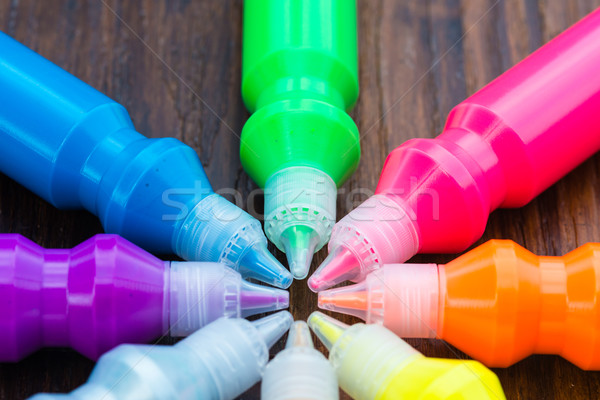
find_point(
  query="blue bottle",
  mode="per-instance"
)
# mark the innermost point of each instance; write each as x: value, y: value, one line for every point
x: 76, y: 148
x: 218, y: 362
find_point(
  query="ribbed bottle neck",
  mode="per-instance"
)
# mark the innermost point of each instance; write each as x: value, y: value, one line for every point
x: 102, y: 136
x: 301, y: 87
x: 554, y: 304
x: 54, y: 316
x: 470, y: 146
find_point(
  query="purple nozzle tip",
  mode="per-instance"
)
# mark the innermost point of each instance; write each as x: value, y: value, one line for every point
x: 257, y: 299
x: 339, y: 266
x: 261, y: 265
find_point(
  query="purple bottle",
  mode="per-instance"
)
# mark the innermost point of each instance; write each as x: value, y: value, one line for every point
x: 107, y: 291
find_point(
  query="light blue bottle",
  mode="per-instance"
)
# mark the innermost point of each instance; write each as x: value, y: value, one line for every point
x: 76, y: 148
x: 220, y: 361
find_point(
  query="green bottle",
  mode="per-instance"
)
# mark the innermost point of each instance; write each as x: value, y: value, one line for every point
x: 299, y: 79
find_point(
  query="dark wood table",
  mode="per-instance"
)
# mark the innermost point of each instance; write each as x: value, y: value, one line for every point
x: 175, y: 65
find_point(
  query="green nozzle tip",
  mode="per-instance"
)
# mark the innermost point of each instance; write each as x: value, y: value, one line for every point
x: 327, y: 329
x: 299, y: 243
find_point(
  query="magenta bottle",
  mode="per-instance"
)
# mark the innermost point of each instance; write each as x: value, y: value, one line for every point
x: 107, y: 291
x: 500, y: 148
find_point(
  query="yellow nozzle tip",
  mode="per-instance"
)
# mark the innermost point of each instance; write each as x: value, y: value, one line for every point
x: 327, y: 329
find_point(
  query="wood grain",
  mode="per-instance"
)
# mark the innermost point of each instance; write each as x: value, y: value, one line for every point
x: 176, y: 66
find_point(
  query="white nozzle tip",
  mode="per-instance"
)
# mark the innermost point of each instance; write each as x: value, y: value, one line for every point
x: 271, y: 328
x: 299, y: 336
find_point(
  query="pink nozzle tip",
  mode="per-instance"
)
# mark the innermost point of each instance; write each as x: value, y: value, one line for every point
x: 339, y: 266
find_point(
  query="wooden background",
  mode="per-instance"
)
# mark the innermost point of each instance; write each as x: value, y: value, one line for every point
x: 175, y: 65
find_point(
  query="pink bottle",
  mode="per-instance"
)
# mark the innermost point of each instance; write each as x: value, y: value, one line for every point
x: 501, y: 147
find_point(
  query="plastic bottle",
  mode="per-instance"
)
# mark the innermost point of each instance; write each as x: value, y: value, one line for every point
x: 501, y: 147
x: 299, y: 78
x: 106, y: 291
x: 498, y: 303
x: 76, y: 148
x: 218, y: 362
x: 299, y: 372
x: 372, y: 363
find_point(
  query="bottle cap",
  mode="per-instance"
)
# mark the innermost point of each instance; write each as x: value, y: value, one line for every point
x: 403, y: 297
x: 364, y: 357
x: 200, y: 293
x: 380, y: 231
x: 234, y: 352
x: 299, y: 371
x: 299, y: 214
x: 218, y: 231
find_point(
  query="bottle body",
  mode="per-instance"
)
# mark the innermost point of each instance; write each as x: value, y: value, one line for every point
x: 299, y: 372
x: 93, y: 297
x: 501, y: 303
x: 431, y: 377
x: 217, y: 362
x: 500, y: 148
x: 504, y: 145
x: 300, y: 75
x: 299, y: 78
x: 78, y: 149
x: 371, y: 362
x: 106, y: 291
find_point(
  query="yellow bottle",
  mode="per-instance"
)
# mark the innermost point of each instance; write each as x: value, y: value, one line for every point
x: 372, y: 363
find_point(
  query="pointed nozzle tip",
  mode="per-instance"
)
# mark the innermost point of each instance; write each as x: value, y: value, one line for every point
x: 327, y: 329
x: 299, y: 336
x: 339, y: 266
x: 351, y: 300
x: 258, y: 299
x: 299, y: 243
x: 299, y: 261
x: 258, y: 263
x: 271, y: 328
x: 326, y: 301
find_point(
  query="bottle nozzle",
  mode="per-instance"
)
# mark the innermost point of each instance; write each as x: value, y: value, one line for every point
x: 257, y: 299
x: 218, y: 231
x: 339, y: 266
x: 271, y: 328
x: 299, y: 336
x: 299, y: 213
x: 299, y: 243
x: 352, y: 300
x: 327, y: 329
x: 258, y: 263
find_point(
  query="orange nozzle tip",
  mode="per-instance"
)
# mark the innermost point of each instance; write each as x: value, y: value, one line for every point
x: 356, y: 301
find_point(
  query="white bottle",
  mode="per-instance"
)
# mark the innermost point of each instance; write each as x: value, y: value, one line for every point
x: 218, y: 362
x: 299, y: 372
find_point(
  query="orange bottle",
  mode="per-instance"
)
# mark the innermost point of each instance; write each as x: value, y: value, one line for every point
x: 498, y: 303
